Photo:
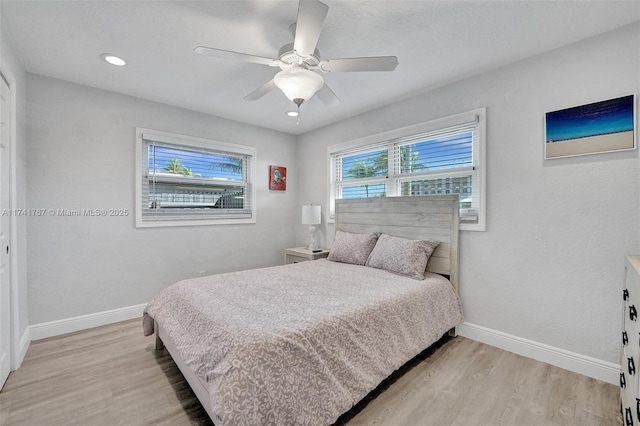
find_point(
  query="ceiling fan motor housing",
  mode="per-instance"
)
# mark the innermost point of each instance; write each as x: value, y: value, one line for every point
x: 287, y: 55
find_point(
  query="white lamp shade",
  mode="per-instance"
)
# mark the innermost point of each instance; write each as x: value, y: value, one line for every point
x: 298, y: 83
x: 311, y: 215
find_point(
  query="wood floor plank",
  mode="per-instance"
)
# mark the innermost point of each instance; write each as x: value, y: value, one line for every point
x: 112, y: 375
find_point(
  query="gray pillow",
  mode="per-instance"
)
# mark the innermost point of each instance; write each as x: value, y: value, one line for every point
x: 352, y: 248
x: 402, y: 256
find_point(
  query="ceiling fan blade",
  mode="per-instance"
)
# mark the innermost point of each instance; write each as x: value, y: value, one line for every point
x: 326, y: 95
x: 378, y: 63
x: 311, y: 14
x: 261, y: 91
x: 227, y: 54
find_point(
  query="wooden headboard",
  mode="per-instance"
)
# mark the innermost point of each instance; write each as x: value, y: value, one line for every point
x: 434, y: 217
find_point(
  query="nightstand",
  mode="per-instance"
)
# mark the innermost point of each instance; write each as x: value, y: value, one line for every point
x: 302, y: 254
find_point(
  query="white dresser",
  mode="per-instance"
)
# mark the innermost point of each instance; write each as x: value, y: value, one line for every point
x: 630, y: 358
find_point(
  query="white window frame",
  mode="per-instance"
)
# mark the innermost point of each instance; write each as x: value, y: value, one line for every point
x: 377, y: 141
x: 188, y: 142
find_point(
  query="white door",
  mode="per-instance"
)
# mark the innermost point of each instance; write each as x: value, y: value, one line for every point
x: 5, y: 304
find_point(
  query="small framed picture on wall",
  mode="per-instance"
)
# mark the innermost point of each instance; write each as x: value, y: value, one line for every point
x: 277, y: 178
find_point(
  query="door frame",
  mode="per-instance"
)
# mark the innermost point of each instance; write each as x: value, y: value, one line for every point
x: 17, y: 347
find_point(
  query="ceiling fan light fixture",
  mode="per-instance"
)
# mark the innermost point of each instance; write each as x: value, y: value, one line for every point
x: 298, y: 83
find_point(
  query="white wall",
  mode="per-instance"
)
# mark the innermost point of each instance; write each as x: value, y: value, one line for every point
x: 13, y: 70
x: 80, y: 155
x: 549, y: 268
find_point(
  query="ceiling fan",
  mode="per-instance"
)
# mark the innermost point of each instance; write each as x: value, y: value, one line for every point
x: 299, y: 61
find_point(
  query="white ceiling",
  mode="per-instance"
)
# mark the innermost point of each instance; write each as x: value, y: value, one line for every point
x: 436, y: 42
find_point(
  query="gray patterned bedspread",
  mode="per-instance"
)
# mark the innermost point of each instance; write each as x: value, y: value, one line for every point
x: 301, y: 343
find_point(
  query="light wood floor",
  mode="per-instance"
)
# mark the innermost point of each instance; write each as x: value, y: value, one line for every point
x: 111, y: 375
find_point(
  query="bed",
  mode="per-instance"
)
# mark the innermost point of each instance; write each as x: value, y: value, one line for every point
x: 303, y: 343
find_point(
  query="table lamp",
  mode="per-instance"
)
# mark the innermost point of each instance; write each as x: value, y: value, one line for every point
x: 311, y: 215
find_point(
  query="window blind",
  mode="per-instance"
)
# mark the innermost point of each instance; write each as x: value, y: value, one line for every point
x: 442, y: 160
x: 186, y: 182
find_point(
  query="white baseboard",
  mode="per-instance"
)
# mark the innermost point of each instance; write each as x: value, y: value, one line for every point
x: 21, y: 352
x: 69, y: 325
x: 582, y: 364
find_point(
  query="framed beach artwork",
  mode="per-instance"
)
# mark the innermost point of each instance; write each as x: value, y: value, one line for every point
x: 606, y: 126
x: 277, y: 178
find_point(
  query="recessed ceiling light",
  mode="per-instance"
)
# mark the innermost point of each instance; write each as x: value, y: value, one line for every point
x: 114, y: 60
x: 293, y: 113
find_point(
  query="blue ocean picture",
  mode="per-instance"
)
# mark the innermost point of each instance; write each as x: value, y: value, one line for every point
x: 588, y: 129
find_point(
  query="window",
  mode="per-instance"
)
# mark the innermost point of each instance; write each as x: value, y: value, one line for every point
x: 183, y: 180
x: 444, y: 156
